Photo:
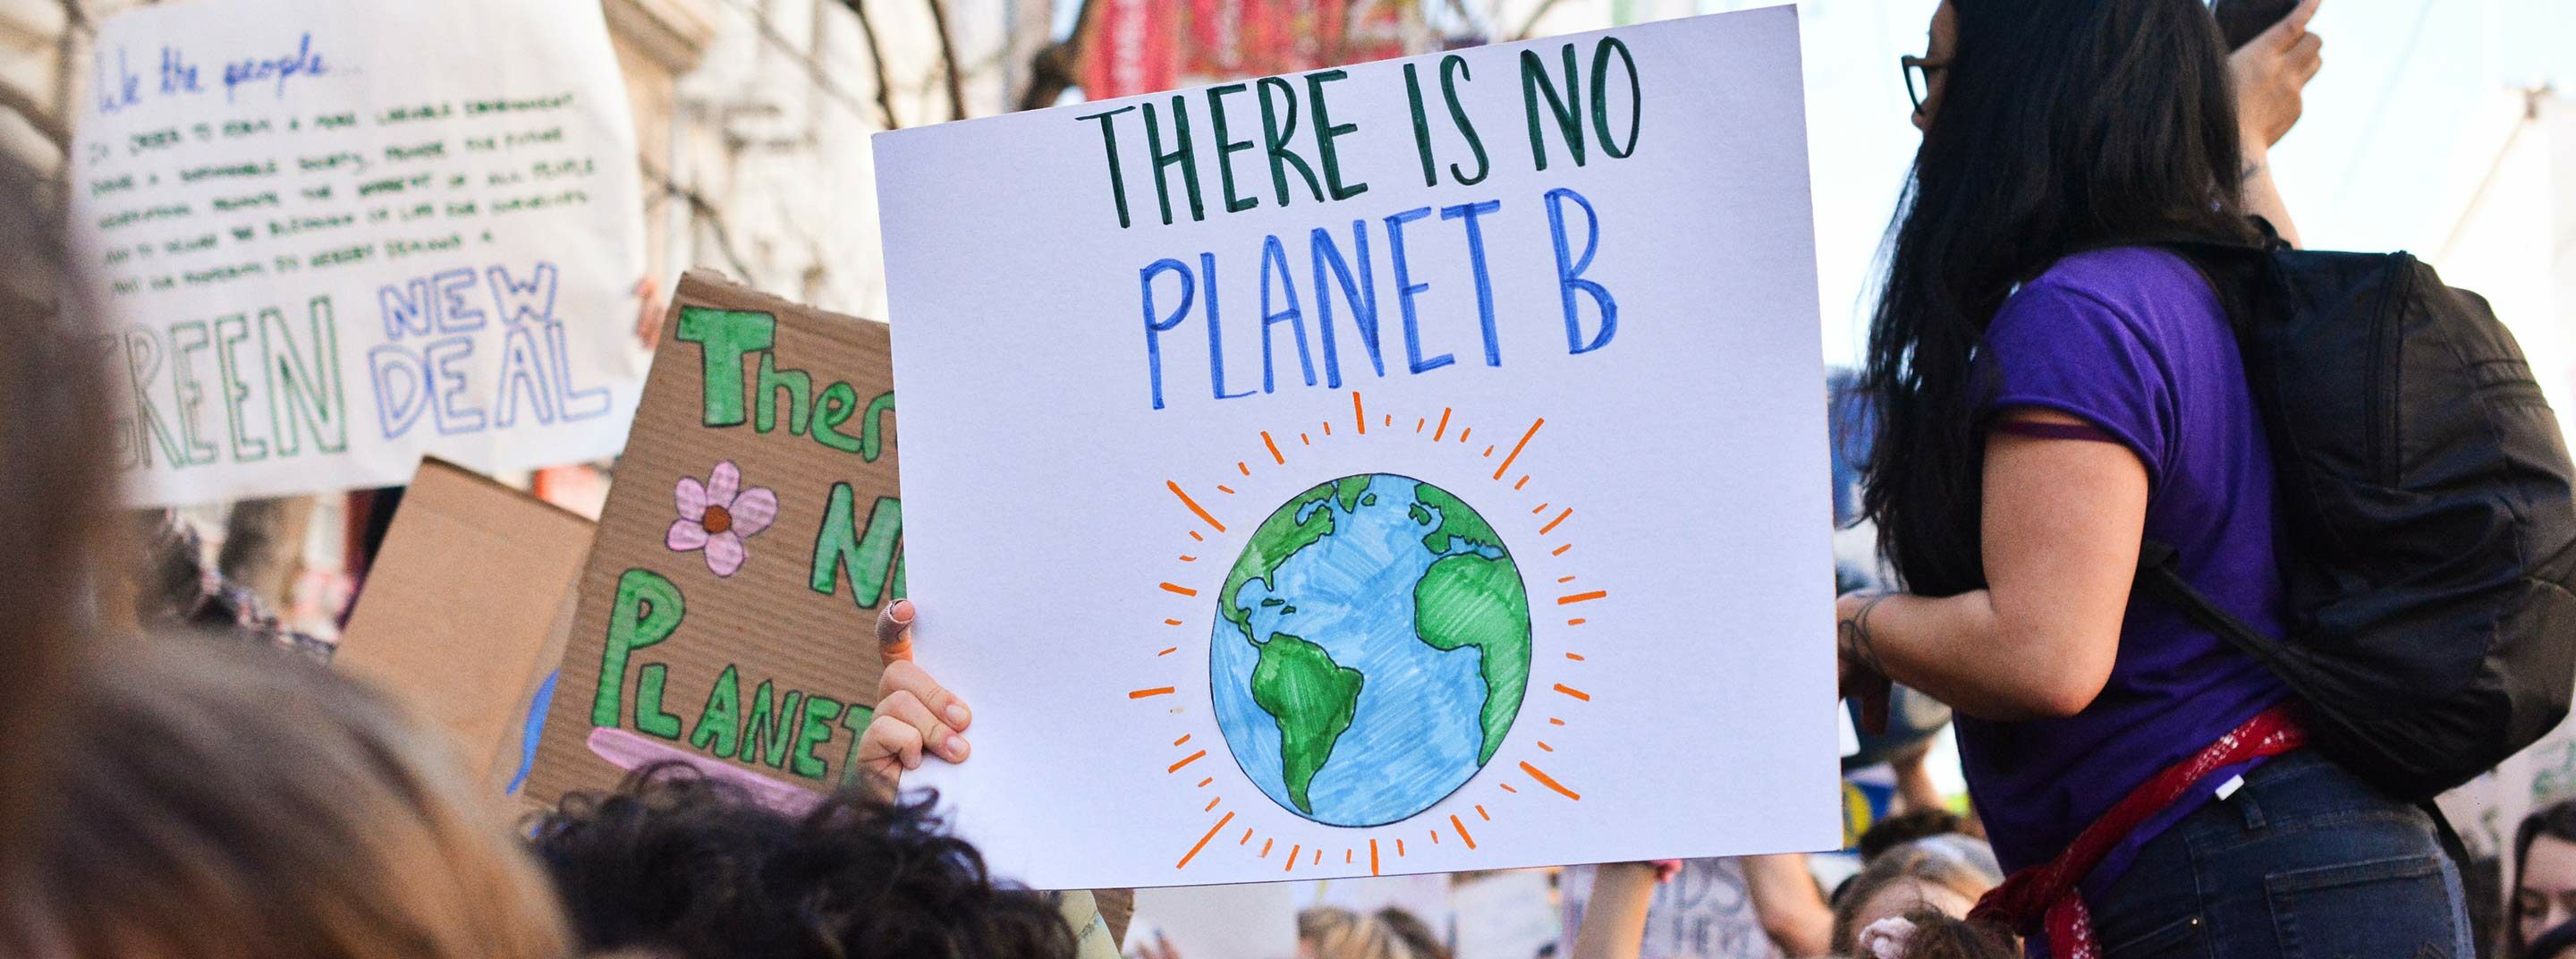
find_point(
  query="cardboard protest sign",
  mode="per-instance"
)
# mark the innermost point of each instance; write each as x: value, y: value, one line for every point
x: 728, y: 605
x: 1704, y: 912
x: 466, y: 609
x: 1429, y: 479
x: 333, y: 236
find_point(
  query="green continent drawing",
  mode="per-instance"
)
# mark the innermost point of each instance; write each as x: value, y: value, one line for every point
x: 1371, y: 649
x: 1313, y: 699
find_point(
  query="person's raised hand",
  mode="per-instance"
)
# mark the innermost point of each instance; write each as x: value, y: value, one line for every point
x: 2271, y: 73
x: 914, y: 714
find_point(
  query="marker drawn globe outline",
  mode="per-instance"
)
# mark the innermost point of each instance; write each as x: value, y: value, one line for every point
x: 1418, y: 655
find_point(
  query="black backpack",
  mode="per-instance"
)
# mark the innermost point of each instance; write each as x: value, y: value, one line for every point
x: 2426, y: 519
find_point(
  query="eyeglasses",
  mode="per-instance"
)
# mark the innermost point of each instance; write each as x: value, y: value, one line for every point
x: 1918, y: 78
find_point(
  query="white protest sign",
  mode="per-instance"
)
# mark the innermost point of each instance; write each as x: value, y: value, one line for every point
x: 330, y: 237
x: 1385, y: 501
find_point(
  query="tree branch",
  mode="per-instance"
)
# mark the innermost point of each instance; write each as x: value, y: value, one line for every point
x: 1058, y: 66
x: 876, y: 61
x: 947, y: 59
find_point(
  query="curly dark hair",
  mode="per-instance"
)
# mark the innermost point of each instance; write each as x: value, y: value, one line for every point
x: 679, y: 864
x: 1908, y: 826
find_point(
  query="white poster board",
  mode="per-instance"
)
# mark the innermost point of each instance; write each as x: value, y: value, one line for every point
x: 329, y: 237
x: 1545, y: 552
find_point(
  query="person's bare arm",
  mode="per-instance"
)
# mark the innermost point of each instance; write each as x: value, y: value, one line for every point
x: 1793, y: 910
x: 1614, y: 918
x: 2063, y: 520
x: 2271, y: 73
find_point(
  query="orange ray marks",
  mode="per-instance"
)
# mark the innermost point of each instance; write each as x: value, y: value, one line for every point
x: 1561, y: 580
x: 1192, y: 559
x: 1169, y: 651
x: 1186, y: 760
x: 1171, y: 622
x: 1540, y: 508
x: 1203, y: 841
x: 1346, y: 855
x: 1577, y: 621
x: 1185, y: 737
x: 1180, y: 589
x: 1435, y: 837
x: 1489, y: 452
x: 1544, y: 747
x: 1524, y: 482
x: 1372, y: 857
x: 1274, y: 449
x: 1553, y: 721
x: 1328, y: 427
x: 1203, y: 783
x: 1516, y: 451
x: 1581, y: 597
x: 1243, y: 467
x: 1227, y: 490
x: 1319, y: 857
x: 1390, y: 419
x: 1194, y: 534
x: 1444, y: 425
x: 1507, y: 787
x: 1462, y: 832
x: 1482, y: 814
x: 1303, y: 438
x: 1560, y: 551
x: 1417, y: 424
x: 1247, y: 837
x: 1194, y: 506
x: 1543, y: 530
x: 1156, y: 691
x: 1399, y: 849
x: 1544, y: 780
x: 1462, y: 434
x: 1576, y: 693
x: 1293, y: 850
x: 1265, y: 847
x: 1211, y: 806
x: 1359, y: 414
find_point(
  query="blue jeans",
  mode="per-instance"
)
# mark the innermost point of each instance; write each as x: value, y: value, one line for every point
x: 2304, y: 860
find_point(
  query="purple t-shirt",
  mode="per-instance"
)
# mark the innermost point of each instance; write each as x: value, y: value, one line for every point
x: 2134, y: 342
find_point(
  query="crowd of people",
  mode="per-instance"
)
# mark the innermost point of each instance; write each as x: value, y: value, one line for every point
x: 2050, y: 394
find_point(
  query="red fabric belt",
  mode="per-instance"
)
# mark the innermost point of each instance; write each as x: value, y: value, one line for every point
x: 2047, y: 895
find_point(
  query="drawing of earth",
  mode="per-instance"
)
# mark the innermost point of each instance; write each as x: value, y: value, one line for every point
x: 1371, y: 649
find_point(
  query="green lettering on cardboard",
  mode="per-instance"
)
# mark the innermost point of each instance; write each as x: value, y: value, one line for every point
x: 720, y: 724
x: 865, y: 552
x: 872, y: 426
x: 647, y: 611
x: 765, y: 735
x: 839, y: 402
x: 650, y: 718
x: 855, y: 719
x: 813, y: 728
x: 723, y: 337
x: 799, y: 387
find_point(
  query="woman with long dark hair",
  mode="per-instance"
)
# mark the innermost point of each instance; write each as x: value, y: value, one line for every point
x: 2050, y: 394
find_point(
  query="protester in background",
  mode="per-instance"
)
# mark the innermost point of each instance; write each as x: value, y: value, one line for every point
x: 2544, y: 881
x: 1908, y: 826
x: 1417, y: 935
x: 2049, y: 399
x: 1328, y: 932
x: 53, y: 487
x: 174, y: 587
x: 678, y: 865
x: 1930, y: 934
x: 1783, y: 913
x: 229, y: 802
x: 1929, y: 875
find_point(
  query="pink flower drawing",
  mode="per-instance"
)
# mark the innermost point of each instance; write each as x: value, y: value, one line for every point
x: 714, y: 518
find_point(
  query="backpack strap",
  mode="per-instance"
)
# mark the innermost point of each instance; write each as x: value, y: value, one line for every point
x: 2159, y: 578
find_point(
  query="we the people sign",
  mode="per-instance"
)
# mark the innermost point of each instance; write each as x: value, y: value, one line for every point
x: 330, y: 237
x: 1415, y: 466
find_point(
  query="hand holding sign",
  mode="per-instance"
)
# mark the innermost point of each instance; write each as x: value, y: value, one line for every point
x: 914, y: 713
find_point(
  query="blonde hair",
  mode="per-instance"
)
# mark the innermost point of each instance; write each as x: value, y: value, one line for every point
x: 1343, y: 934
x: 224, y: 802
